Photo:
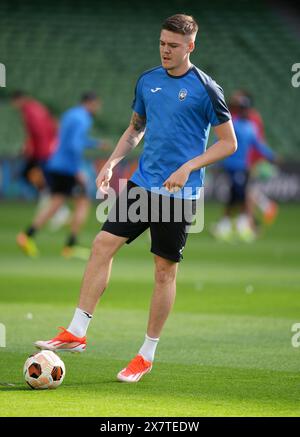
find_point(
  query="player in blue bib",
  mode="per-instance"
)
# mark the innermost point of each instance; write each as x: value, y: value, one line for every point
x: 64, y: 178
x: 174, y: 107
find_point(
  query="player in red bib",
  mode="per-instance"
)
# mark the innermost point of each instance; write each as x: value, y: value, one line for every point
x: 41, y: 137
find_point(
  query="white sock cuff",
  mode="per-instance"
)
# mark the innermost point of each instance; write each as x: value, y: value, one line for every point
x: 156, y: 340
x: 80, y: 311
x: 80, y: 323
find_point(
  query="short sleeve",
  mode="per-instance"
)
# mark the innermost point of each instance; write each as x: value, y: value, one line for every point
x: 138, y: 104
x: 217, y: 111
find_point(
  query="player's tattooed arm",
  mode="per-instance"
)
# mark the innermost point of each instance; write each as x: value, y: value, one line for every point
x: 138, y: 122
x: 136, y: 130
x: 132, y: 140
x: 128, y: 141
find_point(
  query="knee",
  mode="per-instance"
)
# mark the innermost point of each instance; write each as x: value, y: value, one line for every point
x: 101, y: 247
x: 165, y: 274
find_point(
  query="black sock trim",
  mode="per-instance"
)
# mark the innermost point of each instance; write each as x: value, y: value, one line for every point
x: 31, y: 231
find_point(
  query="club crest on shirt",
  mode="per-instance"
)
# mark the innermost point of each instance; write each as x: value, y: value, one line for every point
x: 182, y: 94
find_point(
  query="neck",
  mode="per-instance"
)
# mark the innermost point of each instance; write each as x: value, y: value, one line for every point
x: 23, y: 103
x: 85, y: 107
x: 182, y: 69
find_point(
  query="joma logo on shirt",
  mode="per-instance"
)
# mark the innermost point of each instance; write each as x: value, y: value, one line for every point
x: 182, y: 94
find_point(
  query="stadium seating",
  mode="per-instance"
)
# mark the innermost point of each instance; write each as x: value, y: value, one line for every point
x: 55, y: 50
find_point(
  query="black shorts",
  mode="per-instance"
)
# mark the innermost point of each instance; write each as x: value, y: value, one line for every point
x: 131, y: 215
x: 66, y: 185
x: 238, y: 181
x: 34, y: 172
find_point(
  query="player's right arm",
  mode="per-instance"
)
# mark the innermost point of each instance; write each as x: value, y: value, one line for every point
x: 128, y: 141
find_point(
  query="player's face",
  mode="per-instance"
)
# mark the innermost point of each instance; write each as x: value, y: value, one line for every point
x: 94, y: 106
x: 174, y: 49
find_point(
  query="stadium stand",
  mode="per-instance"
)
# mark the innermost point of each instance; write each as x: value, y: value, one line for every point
x: 54, y: 50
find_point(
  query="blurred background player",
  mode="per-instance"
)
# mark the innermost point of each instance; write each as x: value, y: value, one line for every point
x: 65, y: 177
x: 259, y: 167
x: 41, y: 130
x: 237, y: 168
x: 41, y: 137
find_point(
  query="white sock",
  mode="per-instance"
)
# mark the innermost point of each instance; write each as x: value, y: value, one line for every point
x: 243, y: 223
x: 148, y: 349
x: 225, y: 225
x: 80, y: 323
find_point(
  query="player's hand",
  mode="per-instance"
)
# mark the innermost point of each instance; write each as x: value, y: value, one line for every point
x: 103, y: 179
x: 177, y: 180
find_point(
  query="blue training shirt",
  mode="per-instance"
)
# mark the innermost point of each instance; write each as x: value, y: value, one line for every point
x: 179, y: 111
x: 247, y: 138
x: 73, y: 139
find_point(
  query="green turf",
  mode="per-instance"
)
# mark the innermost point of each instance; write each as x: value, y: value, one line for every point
x: 226, y: 348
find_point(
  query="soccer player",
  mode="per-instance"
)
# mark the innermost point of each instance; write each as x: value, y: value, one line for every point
x: 237, y: 168
x: 41, y: 137
x: 65, y: 179
x: 41, y: 140
x: 174, y: 106
x: 255, y: 198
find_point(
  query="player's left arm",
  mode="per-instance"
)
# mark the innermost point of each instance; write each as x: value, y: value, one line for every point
x: 264, y: 149
x: 89, y: 142
x: 225, y: 146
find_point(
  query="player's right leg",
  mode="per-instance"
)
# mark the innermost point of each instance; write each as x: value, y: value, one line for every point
x: 113, y: 235
x: 79, y: 217
x: 60, y: 186
x: 94, y: 282
x: 25, y: 239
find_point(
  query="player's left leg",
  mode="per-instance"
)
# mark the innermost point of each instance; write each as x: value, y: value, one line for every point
x: 82, y: 207
x: 162, y: 302
x: 79, y: 217
x: 168, y: 237
x: 163, y: 295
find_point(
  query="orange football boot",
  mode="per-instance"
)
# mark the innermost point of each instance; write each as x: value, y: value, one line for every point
x: 137, y: 368
x: 27, y: 245
x: 271, y: 213
x: 63, y: 342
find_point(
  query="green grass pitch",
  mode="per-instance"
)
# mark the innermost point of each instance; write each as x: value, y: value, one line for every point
x: 226, y: 349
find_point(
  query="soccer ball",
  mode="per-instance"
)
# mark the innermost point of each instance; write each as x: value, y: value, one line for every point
x: 44, y: 370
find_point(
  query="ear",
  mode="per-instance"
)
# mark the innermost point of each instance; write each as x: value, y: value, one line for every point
x: 191, y: 46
